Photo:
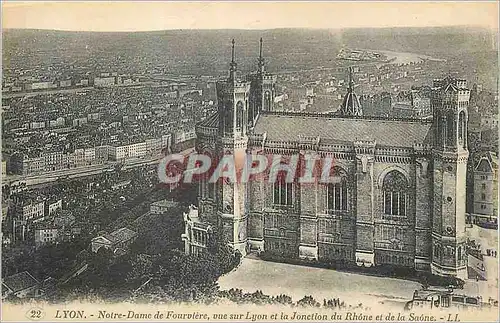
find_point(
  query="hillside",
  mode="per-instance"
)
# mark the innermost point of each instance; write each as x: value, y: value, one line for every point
x: 208, y: 51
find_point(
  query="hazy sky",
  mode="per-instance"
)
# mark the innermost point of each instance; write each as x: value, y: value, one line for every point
x: 135, y: 16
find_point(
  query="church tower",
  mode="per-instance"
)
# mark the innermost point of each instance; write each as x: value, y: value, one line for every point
x: 233, y: 98
x: 263, y: 88
x: 351, y: 106
x: 268, y: 84
x: 450, y: 100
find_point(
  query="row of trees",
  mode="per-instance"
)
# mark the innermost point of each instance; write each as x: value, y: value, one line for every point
x: 47, y: 261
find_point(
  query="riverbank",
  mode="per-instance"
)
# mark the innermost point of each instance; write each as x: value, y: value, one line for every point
x: 407, y: 58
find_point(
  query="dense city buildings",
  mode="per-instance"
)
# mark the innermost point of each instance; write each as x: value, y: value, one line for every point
x: 116, y: 241
x: 486, y: 188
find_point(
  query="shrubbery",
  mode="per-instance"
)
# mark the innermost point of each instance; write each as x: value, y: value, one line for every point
x: 259, y: 298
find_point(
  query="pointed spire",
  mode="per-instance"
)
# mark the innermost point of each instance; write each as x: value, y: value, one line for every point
x: 232, y: 51
x: 350, y: 89
x: 260, y: 48
x: 232, y: 66
x: 351, y: 106
x: 261, y: 62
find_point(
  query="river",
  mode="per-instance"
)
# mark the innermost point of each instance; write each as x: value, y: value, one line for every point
x: 406, y: 58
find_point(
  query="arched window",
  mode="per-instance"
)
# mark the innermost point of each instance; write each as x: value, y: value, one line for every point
x: 462, y: 128
x: 211, y: 190
x: 239, y: 115
x: 228, y: 118
x: 395, y: 188
x: 440, y: 131
x: 247, y: 109
x: 450, y: 130
x: 250, y: 112
x: 337, y: 193
x: 283, y: 192
x: 267, y: 101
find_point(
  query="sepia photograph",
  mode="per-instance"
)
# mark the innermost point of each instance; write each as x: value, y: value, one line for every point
x: 245, y: 161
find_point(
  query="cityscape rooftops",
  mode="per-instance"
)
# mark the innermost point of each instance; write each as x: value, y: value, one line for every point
x: 488, y: 162
x: 121, y: 235
x: 165, y: 203
x: 56, y: 222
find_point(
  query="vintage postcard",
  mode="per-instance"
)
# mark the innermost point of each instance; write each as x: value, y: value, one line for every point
x: 249, y: 161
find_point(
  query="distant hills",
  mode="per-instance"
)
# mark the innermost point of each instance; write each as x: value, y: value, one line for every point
x: 209, y: 50
x: 430, y: 41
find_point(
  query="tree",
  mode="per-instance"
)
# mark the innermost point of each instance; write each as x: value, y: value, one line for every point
x: 226, y: 257
x: 142, y: 267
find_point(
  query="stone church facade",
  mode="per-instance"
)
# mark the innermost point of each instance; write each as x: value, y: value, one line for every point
x: 400, y: 199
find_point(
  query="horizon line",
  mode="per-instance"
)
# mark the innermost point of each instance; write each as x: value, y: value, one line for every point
x: 134, y: 16
x: 472, y: 26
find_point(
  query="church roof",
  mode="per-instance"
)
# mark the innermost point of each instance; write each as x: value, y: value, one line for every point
x: 488, y: 162
x: 351, y: 105
x: 386, y: 132
x: 211, y: 121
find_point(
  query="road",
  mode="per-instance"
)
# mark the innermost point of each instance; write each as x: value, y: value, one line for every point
x: 297, y: 281
x: 47, y: 177
x: 7, y: 95
x: 76, y: 172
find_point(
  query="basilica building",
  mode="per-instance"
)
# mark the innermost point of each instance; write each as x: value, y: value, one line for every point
x: 400, y: 199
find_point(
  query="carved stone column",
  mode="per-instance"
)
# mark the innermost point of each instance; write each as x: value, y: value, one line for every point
x: 423, y: 190
x: 365, y: 157
x: 308, y: 245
